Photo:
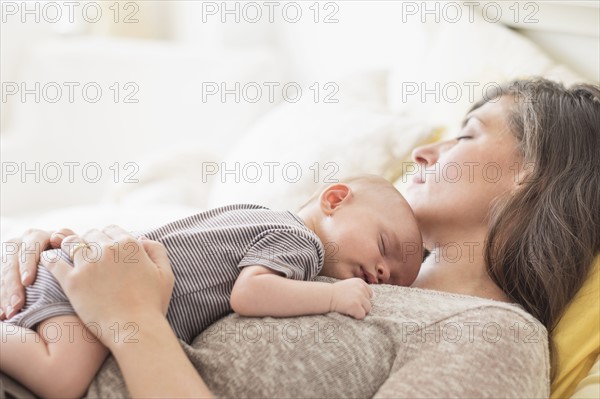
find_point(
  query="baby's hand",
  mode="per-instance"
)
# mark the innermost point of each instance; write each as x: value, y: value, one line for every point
x: 351, y: 297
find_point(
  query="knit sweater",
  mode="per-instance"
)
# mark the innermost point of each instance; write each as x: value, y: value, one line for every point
x: 414, y: 343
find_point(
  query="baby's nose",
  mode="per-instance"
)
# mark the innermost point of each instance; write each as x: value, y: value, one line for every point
x: 383, y: 273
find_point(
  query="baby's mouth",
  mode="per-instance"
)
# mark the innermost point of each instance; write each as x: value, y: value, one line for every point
x: 367, y: 277
x: 363, y: 275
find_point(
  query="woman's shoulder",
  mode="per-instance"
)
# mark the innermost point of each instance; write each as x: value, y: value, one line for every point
x: 482, y: 338
x: 487, y: 348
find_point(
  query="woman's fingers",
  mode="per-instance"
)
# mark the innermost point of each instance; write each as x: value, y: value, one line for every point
x: 11, y: 288
x: 34, y: 243
x: 117, y: 233
x: 158, y: 255
x: 111, y: 239
x: 73, y: 246
x: 97, y: 242
x: 97, y: 237
x: 59, y: 268
x: 57, y: 237
x: 20, y: 258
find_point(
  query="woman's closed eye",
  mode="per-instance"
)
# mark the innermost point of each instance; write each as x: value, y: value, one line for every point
x: 463, y: 138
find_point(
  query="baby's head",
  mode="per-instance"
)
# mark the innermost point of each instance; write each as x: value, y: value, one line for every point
x: 368, y: 229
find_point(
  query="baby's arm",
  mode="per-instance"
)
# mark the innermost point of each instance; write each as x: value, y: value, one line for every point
x: 59, y: 360
x: 260, y: 291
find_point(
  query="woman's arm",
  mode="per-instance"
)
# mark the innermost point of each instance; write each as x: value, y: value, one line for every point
x: 156, y: 365
x: 125, y: 290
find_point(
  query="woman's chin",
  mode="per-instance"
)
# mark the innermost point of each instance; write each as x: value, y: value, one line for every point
x: 413, y: 193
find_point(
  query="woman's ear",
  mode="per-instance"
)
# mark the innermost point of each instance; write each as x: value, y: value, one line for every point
x: 333, y: 196
x: 522, y: 172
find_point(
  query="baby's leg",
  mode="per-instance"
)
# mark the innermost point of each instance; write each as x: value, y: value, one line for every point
x: 59, y: 360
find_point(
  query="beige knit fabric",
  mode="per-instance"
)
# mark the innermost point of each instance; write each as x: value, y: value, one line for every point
x: 414, y: 343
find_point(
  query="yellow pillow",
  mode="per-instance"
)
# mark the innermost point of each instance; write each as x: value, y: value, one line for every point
x: 577, y: 336
x: 589, y: 387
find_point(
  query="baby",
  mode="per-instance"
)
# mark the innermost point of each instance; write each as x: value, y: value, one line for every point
x: 242, y: 258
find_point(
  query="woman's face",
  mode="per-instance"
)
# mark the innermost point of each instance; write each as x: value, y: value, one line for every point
x: 458, y: 179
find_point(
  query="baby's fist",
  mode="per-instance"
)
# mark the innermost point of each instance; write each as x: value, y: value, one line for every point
x: 351, y: 297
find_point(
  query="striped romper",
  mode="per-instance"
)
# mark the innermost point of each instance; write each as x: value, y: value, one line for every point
x: 207, y: 252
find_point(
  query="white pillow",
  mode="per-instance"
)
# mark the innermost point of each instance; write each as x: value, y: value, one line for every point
x: 463, y: 54
x: 131, y: 217
x: 311, y: 143
x: 170, y: 175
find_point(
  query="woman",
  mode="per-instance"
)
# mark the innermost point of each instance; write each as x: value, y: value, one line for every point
x: 510, y: 210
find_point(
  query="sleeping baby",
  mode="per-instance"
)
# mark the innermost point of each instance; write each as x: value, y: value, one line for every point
x: 242, y: 258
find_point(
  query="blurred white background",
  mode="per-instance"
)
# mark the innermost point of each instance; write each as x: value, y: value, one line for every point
x: 160, y: 126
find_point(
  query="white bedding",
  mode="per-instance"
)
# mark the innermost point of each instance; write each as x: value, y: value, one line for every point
x: 83, y: 218
x: 372, y: 128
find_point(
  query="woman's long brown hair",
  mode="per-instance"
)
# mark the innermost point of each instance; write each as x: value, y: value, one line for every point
x: 544, y: 236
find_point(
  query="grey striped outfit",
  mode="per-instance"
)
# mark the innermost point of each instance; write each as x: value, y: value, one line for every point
x: 207, y: 252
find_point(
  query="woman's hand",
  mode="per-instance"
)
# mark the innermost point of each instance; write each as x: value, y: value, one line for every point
x: 20, y: 259
x: 124, y: 286
x: 116, y: 279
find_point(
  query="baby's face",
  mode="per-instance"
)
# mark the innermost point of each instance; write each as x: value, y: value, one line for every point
x: 375, y: 240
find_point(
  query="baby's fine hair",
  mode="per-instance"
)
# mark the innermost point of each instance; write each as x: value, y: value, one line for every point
x: 358, y: 183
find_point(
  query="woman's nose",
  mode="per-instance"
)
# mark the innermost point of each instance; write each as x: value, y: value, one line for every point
x: 383, y: 273
x: 426, y: 155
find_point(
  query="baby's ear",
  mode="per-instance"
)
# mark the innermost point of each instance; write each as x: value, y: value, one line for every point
x: 333, y: 196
